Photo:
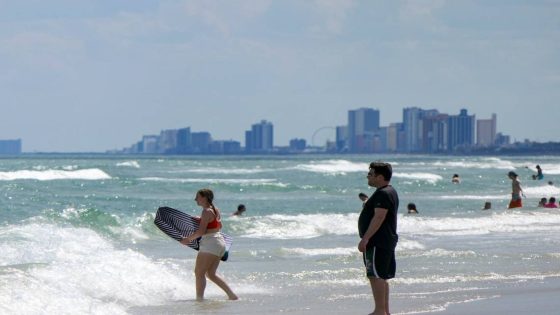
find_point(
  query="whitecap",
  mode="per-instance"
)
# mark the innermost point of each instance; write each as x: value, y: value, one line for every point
x: 279, y: 226
x: 522, y: 221
x: 483, y: 163
x: 76, y: 271
x: 333, y: 167
x: 86, y: 174
x: 239, y: 181
x: 133, y: 164
x: 217, y: 170
x: 429, y: 177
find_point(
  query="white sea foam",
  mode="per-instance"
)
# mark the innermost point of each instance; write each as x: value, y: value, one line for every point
x: 133, y: 164
x: 278, y: 226
x: 333, y: 167
x: 483, y: 163
x: 428, y: 177
x: 85, y: 174
x: 404, y: 245
x: 301, y: 226
x: 239, y: 181
x: 440, y: 252
x: 337, y: 251
x: 504, y: 222
x: 474, y: 278
x: 217, y: 170
x: 46, y: 269
x: 543, y: 190
x: 77, y: 272
x: 474, y: 197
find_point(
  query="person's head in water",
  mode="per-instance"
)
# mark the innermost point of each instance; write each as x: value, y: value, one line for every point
x: 411, y: 208
x: 455, y: 178
x: 542, y: 202
x: 362, y: 196
x: 240, y: 209
x: 487, y: 205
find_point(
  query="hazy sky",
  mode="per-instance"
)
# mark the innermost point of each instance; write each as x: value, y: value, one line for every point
x: 92, y: 75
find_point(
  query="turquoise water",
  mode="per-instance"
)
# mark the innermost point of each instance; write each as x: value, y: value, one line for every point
x: 76, y: 233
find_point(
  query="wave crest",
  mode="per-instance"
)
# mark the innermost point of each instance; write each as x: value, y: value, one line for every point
x: 44, y: 175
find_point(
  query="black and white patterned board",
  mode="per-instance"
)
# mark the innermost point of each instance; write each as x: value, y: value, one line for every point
x: 177, y: 225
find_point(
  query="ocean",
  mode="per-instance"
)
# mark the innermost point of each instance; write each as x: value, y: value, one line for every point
x: 77, y: 233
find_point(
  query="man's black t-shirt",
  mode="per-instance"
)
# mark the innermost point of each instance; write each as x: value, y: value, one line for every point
x: 386, y: 236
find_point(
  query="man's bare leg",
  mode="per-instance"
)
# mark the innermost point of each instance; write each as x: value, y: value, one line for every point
x: 380, y: 295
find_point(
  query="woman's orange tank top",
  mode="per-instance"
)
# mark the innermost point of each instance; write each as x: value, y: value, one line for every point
x: 215, y: 224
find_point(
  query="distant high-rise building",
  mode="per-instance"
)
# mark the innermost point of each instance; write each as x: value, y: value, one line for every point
x: 435, y: 133
x: 184, y: 140
x: 297, y: 144
x: 342, y: 138
x: 232, y: 147
x: 393, y: 136
x: 413, y: 127
x: 379, y: 140
x: 486, y: 132
x: 149, y: 144
x: 460, y: 131
x: 502, y: 140
x: 260, y: 139
x: 168, y: 141
x: 225, y: 147
x: 362, y: 122
x: 201, y: 142
x: 11, y: 147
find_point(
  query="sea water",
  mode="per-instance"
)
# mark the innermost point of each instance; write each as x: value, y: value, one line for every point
x: 77, y: 233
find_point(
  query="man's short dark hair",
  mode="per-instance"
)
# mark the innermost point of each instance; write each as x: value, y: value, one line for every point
x: 382, y: 168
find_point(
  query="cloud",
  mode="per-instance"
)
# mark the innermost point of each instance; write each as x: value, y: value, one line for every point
x: 419, y: 9
x: 225, y: 16
x: 332, y: 14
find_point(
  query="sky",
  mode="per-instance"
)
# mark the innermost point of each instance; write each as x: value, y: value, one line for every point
x: 96, y: 75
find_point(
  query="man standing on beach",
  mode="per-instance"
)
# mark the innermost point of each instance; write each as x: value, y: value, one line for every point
x: 516, y: 190
x: 377, y: 226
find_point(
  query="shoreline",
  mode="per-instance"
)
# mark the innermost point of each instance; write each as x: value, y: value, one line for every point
x: 517, y: 298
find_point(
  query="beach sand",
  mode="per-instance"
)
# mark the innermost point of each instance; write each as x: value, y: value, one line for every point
x: 542, y: 297
x: 530, y: 297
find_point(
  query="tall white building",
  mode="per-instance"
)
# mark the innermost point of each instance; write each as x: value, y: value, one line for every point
x: 486, y: 132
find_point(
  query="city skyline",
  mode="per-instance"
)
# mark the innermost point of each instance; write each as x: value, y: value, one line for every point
x: 421, y: 131
x: 89, y: 76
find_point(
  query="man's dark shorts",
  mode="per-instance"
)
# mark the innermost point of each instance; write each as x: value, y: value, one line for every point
x: 380, y: 263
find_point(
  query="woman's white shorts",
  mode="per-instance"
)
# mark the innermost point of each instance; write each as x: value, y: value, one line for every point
x: 212, y: 243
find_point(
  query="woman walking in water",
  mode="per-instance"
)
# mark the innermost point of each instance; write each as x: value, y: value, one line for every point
x: 212, y: 245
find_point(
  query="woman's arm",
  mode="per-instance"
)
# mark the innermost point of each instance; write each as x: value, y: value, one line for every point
x: 205, y: 217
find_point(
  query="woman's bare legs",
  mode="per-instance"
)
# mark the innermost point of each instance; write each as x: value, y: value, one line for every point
x: 206, y: 266
x: 211, y: 274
